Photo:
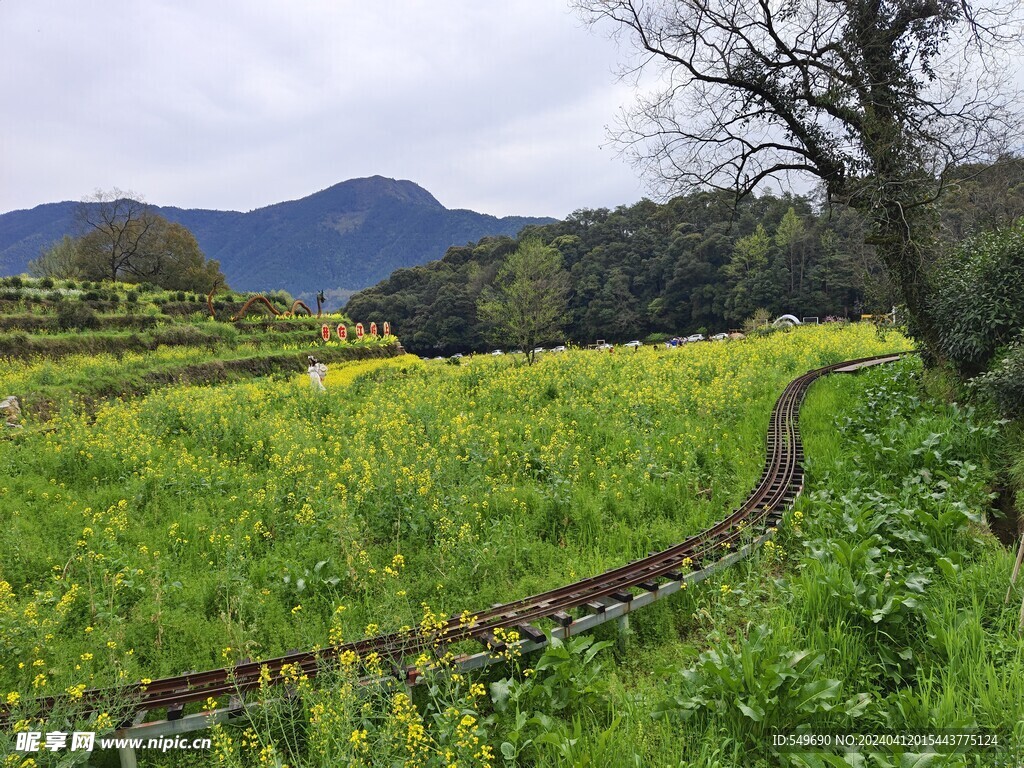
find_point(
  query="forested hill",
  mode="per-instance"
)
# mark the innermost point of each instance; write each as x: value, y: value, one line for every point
x: 693, y: 264
x: 340, y: 239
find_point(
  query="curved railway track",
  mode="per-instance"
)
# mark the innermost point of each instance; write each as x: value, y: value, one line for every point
x: 780, y: 483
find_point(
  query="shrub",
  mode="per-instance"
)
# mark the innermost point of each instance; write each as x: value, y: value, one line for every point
x: 758, y: 323
x: 75, y: 314
x: 179, y: 296
x: 1003, y: 383
x: 14, y: 281
x: 132, y: 297
x: 46, y: 282
x: 91, y: 296
x: 978, y: 303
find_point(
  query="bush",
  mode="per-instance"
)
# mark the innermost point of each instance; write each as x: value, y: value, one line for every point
x: 46, y: 282
x: 1003, y: 383
x: 179, y: 296
x: 75, y: 314
x: 132, y: 297
x: 978, y: 304
x: 14, y: 281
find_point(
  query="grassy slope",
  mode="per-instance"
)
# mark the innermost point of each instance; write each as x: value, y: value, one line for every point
x: 888, y: 479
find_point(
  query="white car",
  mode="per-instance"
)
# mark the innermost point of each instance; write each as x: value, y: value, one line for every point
x: 559, y: 348
x: 720, y: 337
x: 538, y: 350
x: 497, y: 352
x: 634, y: 343
x: 696, y: 337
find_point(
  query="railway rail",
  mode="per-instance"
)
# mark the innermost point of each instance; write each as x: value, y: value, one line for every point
x: 609, y: 595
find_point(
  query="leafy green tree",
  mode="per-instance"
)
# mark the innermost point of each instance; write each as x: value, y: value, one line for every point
x: 172, y: 259
x: 748, y: 274
x: 790, y: 237
x: 527, y: 302
x: 59, y: 261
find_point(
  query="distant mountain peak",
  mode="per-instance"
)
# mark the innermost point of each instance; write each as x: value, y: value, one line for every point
x: 364, y: 193
x: 345, y: 237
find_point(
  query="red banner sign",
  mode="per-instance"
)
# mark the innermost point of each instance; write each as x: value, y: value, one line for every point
x: 387, y: 328
x: 326, y: 332
x: 359, y: 330
x: 373, y: 329
x: 342, y: 331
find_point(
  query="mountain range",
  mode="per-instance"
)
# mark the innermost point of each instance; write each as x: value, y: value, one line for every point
x: 338, y: 240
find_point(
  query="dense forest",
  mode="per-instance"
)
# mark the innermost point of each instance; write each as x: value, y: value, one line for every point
x: 698, y: 263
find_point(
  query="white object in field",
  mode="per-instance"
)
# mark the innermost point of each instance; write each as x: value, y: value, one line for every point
x: 317, y: 374
x: 787, y: 320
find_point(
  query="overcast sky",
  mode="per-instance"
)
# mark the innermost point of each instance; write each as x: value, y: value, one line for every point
x: 499, y: 107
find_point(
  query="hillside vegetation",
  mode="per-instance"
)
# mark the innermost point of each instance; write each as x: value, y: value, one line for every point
x: 699, y: 263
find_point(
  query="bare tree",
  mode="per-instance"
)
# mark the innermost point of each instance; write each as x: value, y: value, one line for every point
x: 116, y: 226
x: 876, y: 99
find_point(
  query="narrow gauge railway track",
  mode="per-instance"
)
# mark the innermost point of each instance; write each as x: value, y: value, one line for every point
x: 780, y: 483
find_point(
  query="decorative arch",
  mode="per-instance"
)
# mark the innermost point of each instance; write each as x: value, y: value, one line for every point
x: 786, y: 320
x: 253, y: 300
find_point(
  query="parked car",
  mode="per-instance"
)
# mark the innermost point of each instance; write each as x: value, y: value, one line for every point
x: 497, y: 352
x: 538, y: 350
x: 720, y: 337
x: 634, y: 343
x: 696, y: 337
x: 559, y: 348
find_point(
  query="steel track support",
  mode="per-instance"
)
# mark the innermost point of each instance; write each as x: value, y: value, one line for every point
x: 622, y: 636
x: 127, y: 755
